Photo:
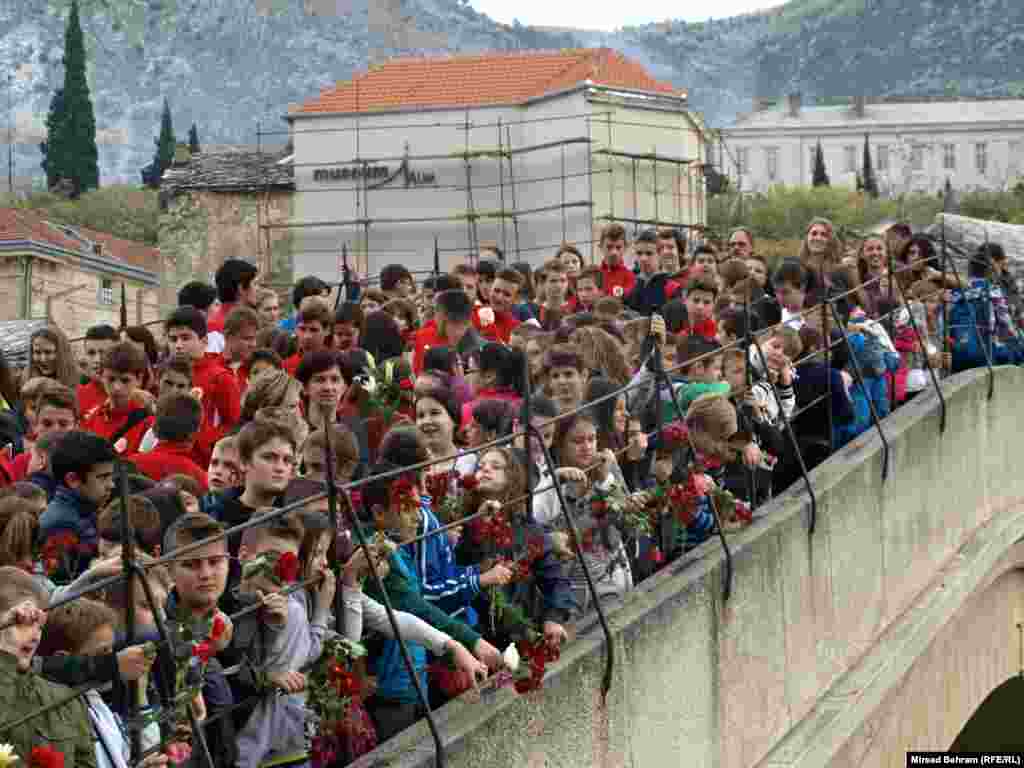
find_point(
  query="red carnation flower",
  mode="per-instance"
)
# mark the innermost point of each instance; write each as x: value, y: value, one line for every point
x: 203, y: 651
x: 405, y: 385
x: 45, y: 757
x: 287, y: 568
x: 218, y: 627
x: 469, y: 482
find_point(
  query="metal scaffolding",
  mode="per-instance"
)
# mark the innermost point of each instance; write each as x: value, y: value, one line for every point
x: 527, y: 197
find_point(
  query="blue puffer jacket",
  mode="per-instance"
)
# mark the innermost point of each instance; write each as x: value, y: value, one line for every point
x: 69, y: 512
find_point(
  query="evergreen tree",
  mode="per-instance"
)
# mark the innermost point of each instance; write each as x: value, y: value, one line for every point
x: 193, y: 140
x: 52, y: 148
x: 77, y: 155
x: 164, y: 155
x: 820, y: 177
x: 868, y: 172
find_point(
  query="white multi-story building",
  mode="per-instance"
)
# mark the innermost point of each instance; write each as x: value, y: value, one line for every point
x: 915, y: 145
x: 524, y: 150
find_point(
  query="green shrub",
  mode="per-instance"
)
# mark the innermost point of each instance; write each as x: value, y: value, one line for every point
x: 783, y: 213
x: 125, y: 211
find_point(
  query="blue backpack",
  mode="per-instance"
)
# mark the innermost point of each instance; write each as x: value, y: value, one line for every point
x: 969, y: 327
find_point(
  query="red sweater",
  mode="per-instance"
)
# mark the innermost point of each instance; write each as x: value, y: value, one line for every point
x: 169, y: 459
x: 90, y: 396
x: 241, y: 373
x: 219, y: 394
x: 620, y: 277
x: 499, y: 330
x: 427, y: 337
x: 104, y: 420
x: 215, y: 320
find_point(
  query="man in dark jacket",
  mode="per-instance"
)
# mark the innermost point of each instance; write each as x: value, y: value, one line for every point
x: 653, y: 288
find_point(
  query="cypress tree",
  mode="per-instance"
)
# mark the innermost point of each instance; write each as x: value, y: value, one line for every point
x: 53, y: 147
x: 165, y: 145
x: 193, y: 140
x: 868, y: 172
x: 820, y: 178
x: 78, y: 157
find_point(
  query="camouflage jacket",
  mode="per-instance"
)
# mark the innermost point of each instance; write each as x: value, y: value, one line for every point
x: 66, y: 728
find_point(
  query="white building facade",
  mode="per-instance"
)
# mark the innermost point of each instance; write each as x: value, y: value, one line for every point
x: 554, y: 161
x: 915, y: 146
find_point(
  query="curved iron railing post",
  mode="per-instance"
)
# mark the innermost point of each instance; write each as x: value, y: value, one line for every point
x: 812, y: 522
x: 658, y: 366
x: 198, y: 735
x: 927, y: 362
x: 439, y: 753
x: 527, y: 415
x: 727, y: 587
x: 128, y: 568
x: 859, y: 376
x: 609, y: 661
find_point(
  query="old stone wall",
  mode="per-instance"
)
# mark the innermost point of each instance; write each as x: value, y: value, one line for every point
x: 73, y: 298
x: 700, y: 681
x: 200, y: 229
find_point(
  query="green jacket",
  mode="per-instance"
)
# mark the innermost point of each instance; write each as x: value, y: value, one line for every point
x: 67, y: 729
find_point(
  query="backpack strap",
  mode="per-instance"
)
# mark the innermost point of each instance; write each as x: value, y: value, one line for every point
x: 135, y: 418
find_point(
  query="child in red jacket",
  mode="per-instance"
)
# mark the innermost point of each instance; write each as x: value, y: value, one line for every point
x: 123, y: 417
x: 213, y: 384
x: 177, y: 422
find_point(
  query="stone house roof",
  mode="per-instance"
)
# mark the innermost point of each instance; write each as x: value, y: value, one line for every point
x: 487, y: 79
x: 230, y: 171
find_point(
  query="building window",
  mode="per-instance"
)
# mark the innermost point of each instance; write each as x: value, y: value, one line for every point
x: 742, y: 161
x: 882, y: 157
x: 850, y: 153
x: 981, y: 158
x: 771, y: 162
x: 949, y: 157
x: 106, y: 295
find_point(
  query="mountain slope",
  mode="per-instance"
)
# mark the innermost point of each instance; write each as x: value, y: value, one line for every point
x: 228, y: 65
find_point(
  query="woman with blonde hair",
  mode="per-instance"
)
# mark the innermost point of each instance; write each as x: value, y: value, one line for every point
x: 272, y: 388
x: 50, y: 356
x: 820, y: 249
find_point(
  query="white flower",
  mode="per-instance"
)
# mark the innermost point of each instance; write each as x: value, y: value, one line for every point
x: 7, y: 756
x: 511, y: 658
x: 486, y: 315
x: 120, y: 446
x: 617, y: 291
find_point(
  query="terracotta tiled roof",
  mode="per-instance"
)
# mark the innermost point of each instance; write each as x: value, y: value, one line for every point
x: 486, y: 79
x: 18, y: 224
x: 128, y: 251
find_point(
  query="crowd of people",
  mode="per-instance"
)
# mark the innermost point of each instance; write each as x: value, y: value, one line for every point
x: 514, y: 445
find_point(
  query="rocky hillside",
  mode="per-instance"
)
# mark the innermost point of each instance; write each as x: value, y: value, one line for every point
x: 231, y: 64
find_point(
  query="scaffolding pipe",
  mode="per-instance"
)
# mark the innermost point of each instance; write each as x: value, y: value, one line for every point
x: 501, y: 190
x: 512, y: 189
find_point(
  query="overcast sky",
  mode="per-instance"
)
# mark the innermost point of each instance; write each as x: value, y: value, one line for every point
x: 610, y: 15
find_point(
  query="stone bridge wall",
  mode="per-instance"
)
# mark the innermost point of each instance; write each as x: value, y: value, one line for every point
x: 699, y: 682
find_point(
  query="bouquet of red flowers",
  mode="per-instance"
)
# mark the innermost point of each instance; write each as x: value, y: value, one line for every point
x: 334, y: 701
